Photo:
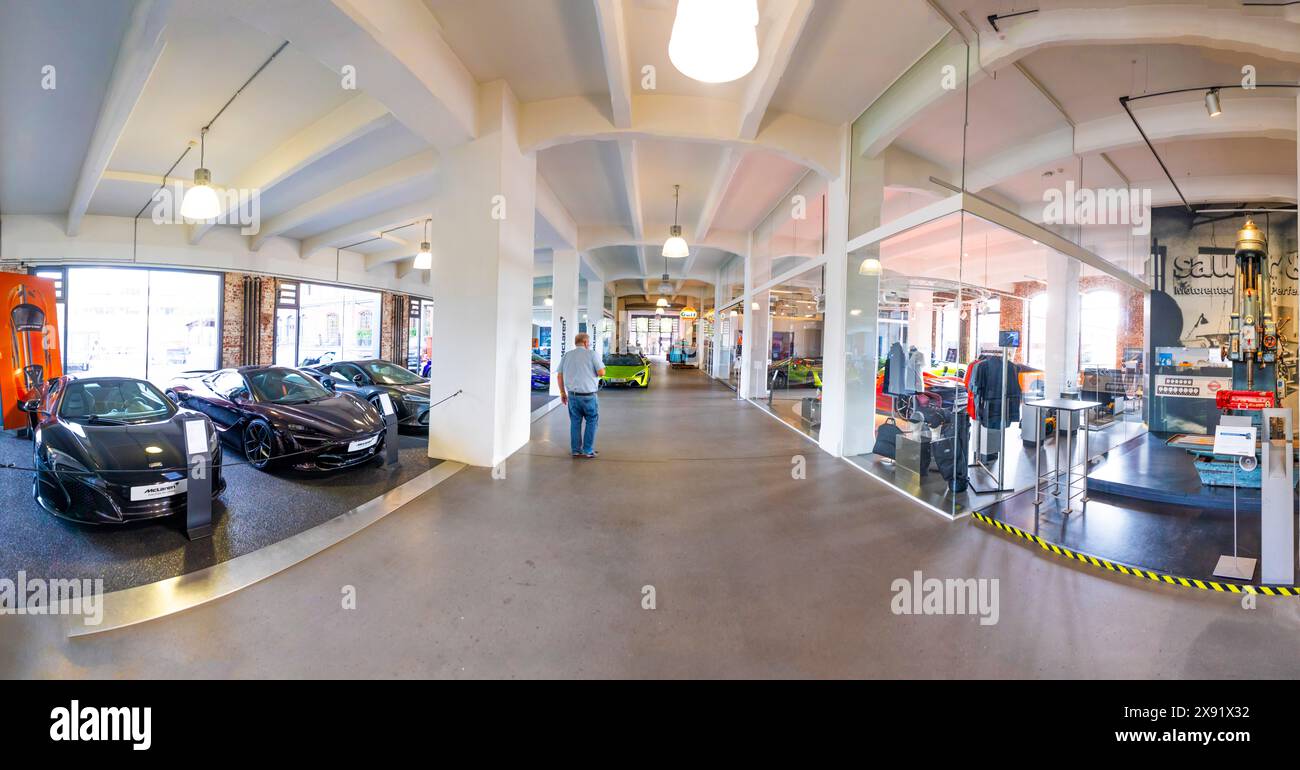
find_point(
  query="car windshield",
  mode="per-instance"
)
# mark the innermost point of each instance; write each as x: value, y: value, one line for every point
x: 285, y: 386
x: 385, y: 373
x: 623, y: 359
x: 114, y: 401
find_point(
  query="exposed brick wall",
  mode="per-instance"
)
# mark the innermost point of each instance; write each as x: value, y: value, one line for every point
x: 232, y: 314
x: 232, y: 331
x: 1014, y: 315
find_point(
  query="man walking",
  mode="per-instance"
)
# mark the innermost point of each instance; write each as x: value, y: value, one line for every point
x: 579, y: 379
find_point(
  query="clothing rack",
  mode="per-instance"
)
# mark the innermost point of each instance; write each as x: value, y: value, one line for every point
x: 998, y: 477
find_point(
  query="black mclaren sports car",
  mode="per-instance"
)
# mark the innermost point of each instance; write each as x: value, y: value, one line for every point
x: 368, y: 379
x: 110, y: 450
x: 282, y: 416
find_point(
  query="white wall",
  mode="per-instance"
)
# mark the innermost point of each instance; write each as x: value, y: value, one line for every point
x: 40, y: 240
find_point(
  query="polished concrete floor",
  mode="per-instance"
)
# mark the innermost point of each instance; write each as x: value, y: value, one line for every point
x: 756, y: 573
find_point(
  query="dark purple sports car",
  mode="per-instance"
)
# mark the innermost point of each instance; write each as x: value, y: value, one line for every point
x: 282, y: 416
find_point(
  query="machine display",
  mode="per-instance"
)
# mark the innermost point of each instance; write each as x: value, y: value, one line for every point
x: 110, y: 450
x: 368, y: 379
x: 626, y: 369
x: 1252, y: 343
x: 30, y: 354
x: 278, y: 415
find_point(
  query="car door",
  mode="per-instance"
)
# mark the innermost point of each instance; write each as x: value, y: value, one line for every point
x: 222, y: 405
x: 344, y: 376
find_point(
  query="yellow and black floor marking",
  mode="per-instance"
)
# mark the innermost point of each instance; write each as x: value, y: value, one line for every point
x: 1125, y: 569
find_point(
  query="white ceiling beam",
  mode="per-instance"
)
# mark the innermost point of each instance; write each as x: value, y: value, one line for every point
x: 141, y: 48
x: 398, y: 53
x: 403, y: 268
x: 350, y: 121
x: 1258, y: 117
x: 727, y: 167
x: 390, y: 255
x: 788, y: 20
x: 556, y: 215
x: 676, y: 117
x: 613, y: 43
x: 632, y: 185
x: 1224, y: 29
x: 367, y: 227
x: 408, y: 172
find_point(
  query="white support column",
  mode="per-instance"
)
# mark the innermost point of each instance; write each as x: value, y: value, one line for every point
x: 747, y: 347
x: 1062, y: 350
x: 830, y: 436
x: 564, y: 308
x: 862, y: 275
x: 482, y: 282
x: 920, y: 314
x: 718, y: 317
x: 758, y: 353
x: 596, y: 315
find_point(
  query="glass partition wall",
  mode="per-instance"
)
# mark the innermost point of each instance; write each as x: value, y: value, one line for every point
x: 966, y: 299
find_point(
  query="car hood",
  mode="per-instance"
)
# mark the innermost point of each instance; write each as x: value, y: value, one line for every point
x: 339, y: 416
x: 625, y: 371
x: 122, y: 447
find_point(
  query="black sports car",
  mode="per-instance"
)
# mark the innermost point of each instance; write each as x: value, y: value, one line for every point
x: 278, y: 415
x: 109, y: 450
x: 368, y: 379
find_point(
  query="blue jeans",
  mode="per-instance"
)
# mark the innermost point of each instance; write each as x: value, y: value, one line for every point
x: 582, y: 408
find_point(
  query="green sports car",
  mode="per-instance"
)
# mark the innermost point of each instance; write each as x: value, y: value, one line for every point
x: 626, y: 369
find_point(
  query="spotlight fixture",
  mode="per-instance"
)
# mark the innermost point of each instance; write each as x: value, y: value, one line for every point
x: 424, y: 257
x: 200, y: 201
x: 714, y: 41
x: 1212, y: 105
x: 675, y: 247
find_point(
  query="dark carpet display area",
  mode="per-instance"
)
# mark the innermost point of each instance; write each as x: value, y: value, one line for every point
x: 256, y: 510
x: 1157, y: 527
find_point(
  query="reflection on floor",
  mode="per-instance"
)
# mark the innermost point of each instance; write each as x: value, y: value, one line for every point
x: 1157, y: 533
x: 789, y: 407
x: 256, y: 510
x: 1016, y: 466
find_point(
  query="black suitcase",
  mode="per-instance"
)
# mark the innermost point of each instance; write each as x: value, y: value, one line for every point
x: 949, y: 453
x: 887, y: 439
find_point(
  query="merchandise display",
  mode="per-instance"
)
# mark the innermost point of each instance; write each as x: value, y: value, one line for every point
x: 277, y: 415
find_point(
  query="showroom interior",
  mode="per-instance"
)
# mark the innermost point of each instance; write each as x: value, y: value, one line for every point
x: 1025, y: 268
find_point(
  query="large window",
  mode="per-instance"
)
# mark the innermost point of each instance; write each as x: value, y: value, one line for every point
x: 131, y: 322
x: 1099, y: 329
x: 336, y: 323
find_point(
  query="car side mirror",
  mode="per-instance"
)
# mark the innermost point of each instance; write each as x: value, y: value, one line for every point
x: 327, y: 382
x: 358, y: 379
x: 30, y: 406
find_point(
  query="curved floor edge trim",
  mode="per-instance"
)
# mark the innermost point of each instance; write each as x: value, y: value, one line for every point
x: 166, y: 597
x: 1137, y: 572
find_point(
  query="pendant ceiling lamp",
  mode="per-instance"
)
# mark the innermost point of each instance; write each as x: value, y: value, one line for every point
x: 675, y: 247
x: 424, y: 258
x: 662, y: 302
x: 715, y: 41
x: 1212, y: 105
x: 200, y: 201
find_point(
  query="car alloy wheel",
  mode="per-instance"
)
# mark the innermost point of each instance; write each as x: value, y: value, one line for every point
x: 257, y: 444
